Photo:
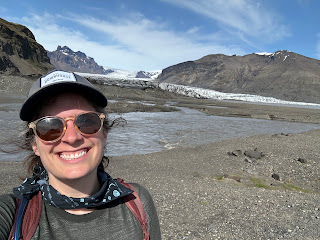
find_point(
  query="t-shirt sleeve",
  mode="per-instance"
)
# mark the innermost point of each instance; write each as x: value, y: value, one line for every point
x: 7, y: 211
x: 150, y: 210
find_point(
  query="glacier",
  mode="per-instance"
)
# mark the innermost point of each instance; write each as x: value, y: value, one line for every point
x: 120, y: 80
x: 212, y: 94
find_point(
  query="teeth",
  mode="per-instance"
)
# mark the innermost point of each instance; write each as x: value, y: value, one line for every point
x: 73, y: 156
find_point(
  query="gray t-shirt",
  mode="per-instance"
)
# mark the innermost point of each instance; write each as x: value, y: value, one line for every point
x: 114, y: 221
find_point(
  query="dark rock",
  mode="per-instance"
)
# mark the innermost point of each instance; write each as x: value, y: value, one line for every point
x: 235, y: 153
x: 275, y: 176
x: 284, y: 134
x: 254, y: 154
x: 302, y: 160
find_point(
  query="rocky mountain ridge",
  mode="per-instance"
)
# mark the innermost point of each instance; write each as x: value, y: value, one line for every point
x: 66, y: 59
x: 20, y: 54
x: 285, y: 75
x: 146, y: 74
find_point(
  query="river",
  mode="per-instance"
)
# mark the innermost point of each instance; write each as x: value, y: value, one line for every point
x: 151, y: 132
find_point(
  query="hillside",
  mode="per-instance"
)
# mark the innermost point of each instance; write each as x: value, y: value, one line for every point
x: 20, y: 54
x: 283, y: 74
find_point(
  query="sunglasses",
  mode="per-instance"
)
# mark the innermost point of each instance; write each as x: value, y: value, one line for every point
x: 52, y: 128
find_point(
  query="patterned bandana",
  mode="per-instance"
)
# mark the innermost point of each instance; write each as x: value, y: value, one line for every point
x: 110, y: 190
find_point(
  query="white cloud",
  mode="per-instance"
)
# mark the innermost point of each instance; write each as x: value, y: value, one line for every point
x: 245, y: 16
x: 193, y: 30
x: 136, y: 42
x: 50, y: 34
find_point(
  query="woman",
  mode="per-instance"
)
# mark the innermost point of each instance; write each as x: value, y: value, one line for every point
x: 78, y: 199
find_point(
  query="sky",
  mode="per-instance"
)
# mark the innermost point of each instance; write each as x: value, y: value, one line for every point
x: 154, y: 34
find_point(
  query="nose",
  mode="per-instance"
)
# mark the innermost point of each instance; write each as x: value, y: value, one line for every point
x: 71, y: 134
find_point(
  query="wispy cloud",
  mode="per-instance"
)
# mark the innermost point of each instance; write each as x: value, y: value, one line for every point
x: 135, y: 42
x: 245, y: 16
x: 193, y: 30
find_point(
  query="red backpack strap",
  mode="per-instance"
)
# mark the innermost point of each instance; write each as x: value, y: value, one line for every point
x: 133, y: 202
x: 31, y: 217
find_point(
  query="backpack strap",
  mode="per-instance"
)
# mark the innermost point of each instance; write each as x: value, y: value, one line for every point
x: 133, y: 202
x: 27, y: 217
x: 29, y: 212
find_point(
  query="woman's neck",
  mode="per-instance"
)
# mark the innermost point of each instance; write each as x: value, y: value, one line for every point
x: 81, y: 211
x: 76, y: 188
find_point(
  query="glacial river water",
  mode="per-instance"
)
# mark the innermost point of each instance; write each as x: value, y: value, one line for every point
x: 152, y: 132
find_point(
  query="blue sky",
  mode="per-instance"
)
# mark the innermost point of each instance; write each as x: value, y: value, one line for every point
x: 155, y: 34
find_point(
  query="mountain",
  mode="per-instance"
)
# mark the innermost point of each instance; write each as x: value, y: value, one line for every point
x: 285, y: 75
x: 20, y: 54
x: 126, y: 74
x: 148, y: 74
x: 65, y: 59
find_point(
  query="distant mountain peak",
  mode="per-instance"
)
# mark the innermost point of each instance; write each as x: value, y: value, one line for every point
x: 148, y: 74
x: 66, y: 59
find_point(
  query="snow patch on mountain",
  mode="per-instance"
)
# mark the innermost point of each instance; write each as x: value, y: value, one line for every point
x: 264, y: 53
x: 125, y: 74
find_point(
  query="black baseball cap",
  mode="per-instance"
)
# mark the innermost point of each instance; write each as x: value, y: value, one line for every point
x: 55, y: 82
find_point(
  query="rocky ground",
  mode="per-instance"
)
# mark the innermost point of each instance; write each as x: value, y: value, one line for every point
x: 261, y: 187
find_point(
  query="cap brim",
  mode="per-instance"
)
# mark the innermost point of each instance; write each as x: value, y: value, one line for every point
x: 28, y: 108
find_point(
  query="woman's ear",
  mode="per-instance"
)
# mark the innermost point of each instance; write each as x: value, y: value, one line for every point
x: 35, y: 148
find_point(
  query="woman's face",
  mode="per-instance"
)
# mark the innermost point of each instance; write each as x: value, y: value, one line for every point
x: 74, y: 156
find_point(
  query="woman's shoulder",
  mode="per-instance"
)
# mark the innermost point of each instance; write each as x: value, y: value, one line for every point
x: 142, y: 192
x: 145, y: 197
x: 7, y: 204
x: 150, y: 210
x: 8, y: 200
x: 7, y: 212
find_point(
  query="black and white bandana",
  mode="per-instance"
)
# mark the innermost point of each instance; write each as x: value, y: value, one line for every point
x: 109, y: 191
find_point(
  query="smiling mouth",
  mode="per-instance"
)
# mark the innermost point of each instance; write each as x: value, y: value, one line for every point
x: 73, y: 156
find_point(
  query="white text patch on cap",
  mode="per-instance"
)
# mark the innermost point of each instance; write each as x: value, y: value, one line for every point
x: 57, y: 76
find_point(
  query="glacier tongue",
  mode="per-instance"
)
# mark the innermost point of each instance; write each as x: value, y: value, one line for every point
x: 188, y: 91
x: 212, y: 94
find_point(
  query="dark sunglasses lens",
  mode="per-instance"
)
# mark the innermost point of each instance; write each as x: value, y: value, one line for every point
x: 88, y: 123
x: 49, y: 129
